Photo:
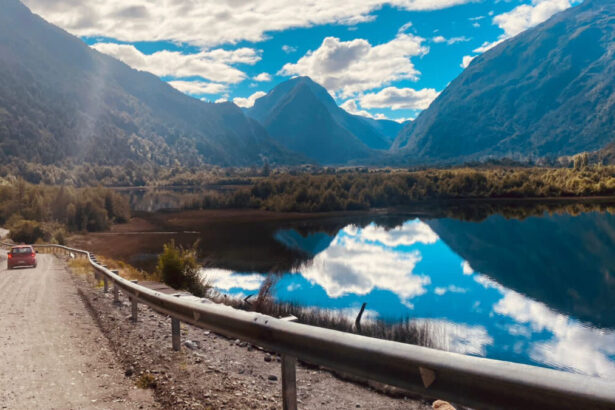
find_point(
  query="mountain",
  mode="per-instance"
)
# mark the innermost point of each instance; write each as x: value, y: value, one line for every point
x: 546, y: 92
x: 60, y: 100
x: 567, y: 261
x: 302, y: 116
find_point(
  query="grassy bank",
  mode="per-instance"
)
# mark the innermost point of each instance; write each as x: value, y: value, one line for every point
x: 406, y: 330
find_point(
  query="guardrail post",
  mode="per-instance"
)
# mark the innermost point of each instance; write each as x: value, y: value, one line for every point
x: 116, y: 290
x: 289, y: 382
x: 175, y: 334
x: 135, y: 311
x: 105, y: 284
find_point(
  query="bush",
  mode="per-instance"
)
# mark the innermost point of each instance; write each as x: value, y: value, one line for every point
x: 178, y: 268
x: 25, y: 231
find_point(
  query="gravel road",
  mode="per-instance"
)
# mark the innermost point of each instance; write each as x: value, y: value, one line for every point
x: 52, y: 354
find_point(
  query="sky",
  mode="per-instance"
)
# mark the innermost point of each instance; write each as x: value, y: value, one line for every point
x: 381, y: 59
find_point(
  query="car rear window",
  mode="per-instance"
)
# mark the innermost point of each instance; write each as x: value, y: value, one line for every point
x: 21, y: 250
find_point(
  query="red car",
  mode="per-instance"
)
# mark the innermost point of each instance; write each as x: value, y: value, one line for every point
x: 22, y: 255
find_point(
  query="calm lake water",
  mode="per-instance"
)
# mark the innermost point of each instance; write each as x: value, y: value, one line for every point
x: 540, y: 290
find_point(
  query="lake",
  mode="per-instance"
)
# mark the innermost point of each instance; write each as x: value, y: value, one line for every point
x: 525, y: 282
x: 540, y: 290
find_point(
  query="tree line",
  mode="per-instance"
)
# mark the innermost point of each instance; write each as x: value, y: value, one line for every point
x: 362, y: 191
x: 33, y: 212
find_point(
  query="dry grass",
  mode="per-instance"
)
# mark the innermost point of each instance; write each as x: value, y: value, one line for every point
x: 126, y: 270
x: 422, y: 333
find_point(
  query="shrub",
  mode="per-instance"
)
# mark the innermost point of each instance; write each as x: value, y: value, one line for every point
x: 25, y: 231
x: 178, y: 268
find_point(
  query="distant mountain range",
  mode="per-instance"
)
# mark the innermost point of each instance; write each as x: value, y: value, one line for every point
x: 549, y: 91
x: 302, y: 116
x: 61, y: 100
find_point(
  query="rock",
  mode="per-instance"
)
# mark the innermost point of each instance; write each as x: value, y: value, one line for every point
x: 190, y: 345
x: 442, y: 405
x: 129, y: 372
x: 268, y: 358
x: 273, y: 378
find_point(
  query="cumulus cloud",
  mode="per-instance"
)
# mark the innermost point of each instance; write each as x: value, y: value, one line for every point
x: 351, y: 107
x: 354, y: 66
x: 207, y: 23
x: 399, y: 98
x: 461, y: 338
x: 263, y: 77
x: 408, y: 234
x: 198, y: 87
x: 248, y: 102
x: 573, y: 346
x: 466, y: 268
x: 226, y: 280
x: 214, y: 65
x: 352, y: 266
x: 525, y: 16
x: 465, y: 62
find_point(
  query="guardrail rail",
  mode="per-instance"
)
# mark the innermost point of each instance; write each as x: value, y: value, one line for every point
x: 466, y: 380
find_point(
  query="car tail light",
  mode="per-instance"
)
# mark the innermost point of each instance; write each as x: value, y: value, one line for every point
x: 10, y: 255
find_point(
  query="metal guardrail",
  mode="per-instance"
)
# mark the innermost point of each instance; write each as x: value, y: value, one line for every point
x: 466, y: 380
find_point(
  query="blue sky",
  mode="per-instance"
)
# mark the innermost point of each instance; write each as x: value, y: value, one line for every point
x: 385, y: 59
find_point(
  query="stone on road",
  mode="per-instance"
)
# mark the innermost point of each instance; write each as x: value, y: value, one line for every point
x: 52, y: 354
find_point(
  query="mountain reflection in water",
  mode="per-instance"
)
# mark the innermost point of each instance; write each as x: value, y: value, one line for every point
x: 540, y: 290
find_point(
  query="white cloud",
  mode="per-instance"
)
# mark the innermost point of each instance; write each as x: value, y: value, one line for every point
x: 222, y: 100
x: 466, y: 61
x: 198, y: 87
x: 354, y: 66
x: 405, y: 27
x: 351, y: 266
x: 210, y: 22
x: 288, y: 49
x: 263, y: 77
x: 488, y: 45
x: 408, y: 234
x: 351, y: 107
x: 525, y: 16
x: 248, y: 102
x: 451, y: 288
x: 573, y: 346
x: 399, y: 98
x: 213, y: 65
x: 461, y: 338
x: 450, y: 41
x: 466, y: 268
x: 226, y: 280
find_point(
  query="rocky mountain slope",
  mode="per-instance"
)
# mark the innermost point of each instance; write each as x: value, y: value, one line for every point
x: 60, y: 100
x: 302, y: 116
x: 546, y: 92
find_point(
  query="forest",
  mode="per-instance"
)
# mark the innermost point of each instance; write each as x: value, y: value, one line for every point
x: 47, y: 213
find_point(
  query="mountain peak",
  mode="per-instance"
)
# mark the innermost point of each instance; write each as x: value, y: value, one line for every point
x: 325, y: 132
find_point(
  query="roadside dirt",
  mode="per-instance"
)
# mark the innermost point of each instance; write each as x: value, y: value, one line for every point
x: 216, y: 372
x: 52, y: 353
